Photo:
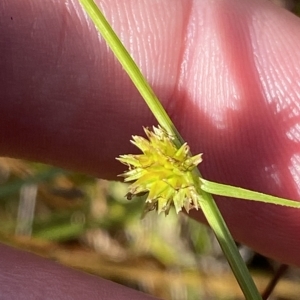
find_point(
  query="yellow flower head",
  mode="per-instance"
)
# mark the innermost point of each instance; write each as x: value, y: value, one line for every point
x: 162, y: 171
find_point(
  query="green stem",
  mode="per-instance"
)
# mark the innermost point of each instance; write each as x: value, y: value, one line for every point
x: 131, y: 68
x: 218, y: 225
x: 208, y: 205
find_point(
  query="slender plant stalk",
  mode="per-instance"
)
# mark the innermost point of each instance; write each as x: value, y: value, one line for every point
x: 131, y: 68
x: 208, y: 204
x: 272, y: 284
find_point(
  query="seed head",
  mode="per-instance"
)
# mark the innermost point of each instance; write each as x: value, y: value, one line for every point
x: 162, y: 171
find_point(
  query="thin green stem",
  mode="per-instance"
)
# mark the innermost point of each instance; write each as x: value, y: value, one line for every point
x: 218, y: 225
x: 208, y: 205
x: 131, y: 68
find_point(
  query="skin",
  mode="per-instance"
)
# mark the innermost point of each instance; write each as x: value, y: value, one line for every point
x: 226, y: 71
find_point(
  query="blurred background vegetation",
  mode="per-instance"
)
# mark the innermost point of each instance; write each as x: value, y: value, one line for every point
x: 87, y: 223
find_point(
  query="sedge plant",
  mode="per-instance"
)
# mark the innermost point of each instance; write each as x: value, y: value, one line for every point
x: 167, y: 172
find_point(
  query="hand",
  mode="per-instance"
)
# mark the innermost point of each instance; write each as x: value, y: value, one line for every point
x: 227, y: 72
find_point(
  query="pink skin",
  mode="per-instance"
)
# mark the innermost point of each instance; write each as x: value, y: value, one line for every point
x: 227, y: 72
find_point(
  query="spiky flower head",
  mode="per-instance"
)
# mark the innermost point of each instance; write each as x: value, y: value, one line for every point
x: 162, y: 171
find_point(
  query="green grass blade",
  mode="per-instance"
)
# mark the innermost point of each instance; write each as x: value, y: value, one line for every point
x: 131, y: 68
x: 240, y: 193
x: 222, y: 233
x: 14, y: 186
x: 208, y: 206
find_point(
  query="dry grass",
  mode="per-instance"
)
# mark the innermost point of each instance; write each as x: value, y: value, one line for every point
x: 87, y: 223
